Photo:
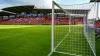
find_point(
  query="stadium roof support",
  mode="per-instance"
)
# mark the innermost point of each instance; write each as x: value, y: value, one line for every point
x: 19, y: 9
x: 6, y: 13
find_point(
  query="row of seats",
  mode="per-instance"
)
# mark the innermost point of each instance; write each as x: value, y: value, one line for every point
x: 97, y: 24
x: 40, y: 20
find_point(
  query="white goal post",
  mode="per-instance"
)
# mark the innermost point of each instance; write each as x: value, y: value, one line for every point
x: 73, y: 29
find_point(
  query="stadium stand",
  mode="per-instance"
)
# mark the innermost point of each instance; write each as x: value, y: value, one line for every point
x: 39, y: 20
x: 98, y: 24
x: 97, y: 29
x: 30, y: 14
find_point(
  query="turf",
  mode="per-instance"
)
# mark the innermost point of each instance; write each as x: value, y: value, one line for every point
x: 29, y: 40
x: 98, y: 47
x: 74, y: 43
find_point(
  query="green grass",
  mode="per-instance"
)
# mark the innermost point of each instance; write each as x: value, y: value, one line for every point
x: 74, y: 43
x: 35, y: 40
x: 98, y: 47
x: 27, y: 41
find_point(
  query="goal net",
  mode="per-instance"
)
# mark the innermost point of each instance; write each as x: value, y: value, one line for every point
x: 73, y: 30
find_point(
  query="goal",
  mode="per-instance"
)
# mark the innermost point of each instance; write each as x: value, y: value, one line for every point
x: 73, y: 29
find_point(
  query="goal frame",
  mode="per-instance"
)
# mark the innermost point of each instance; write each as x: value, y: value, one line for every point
x: 52, y: 33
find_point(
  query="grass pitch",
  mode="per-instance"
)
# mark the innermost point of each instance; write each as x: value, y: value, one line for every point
x: 32, y: 40
x: 74, y: 42
x: 24, y: 40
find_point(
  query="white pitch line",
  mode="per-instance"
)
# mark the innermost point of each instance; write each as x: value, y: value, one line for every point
x: 67, y: 53
x: 11, y: 36
x: 61, y: 41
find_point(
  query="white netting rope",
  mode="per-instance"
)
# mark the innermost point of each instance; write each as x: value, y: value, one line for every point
x: 74, y: 42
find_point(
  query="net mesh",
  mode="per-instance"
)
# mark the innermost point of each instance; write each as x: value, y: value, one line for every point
x: 90, y: 27
x: 73, y: 34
